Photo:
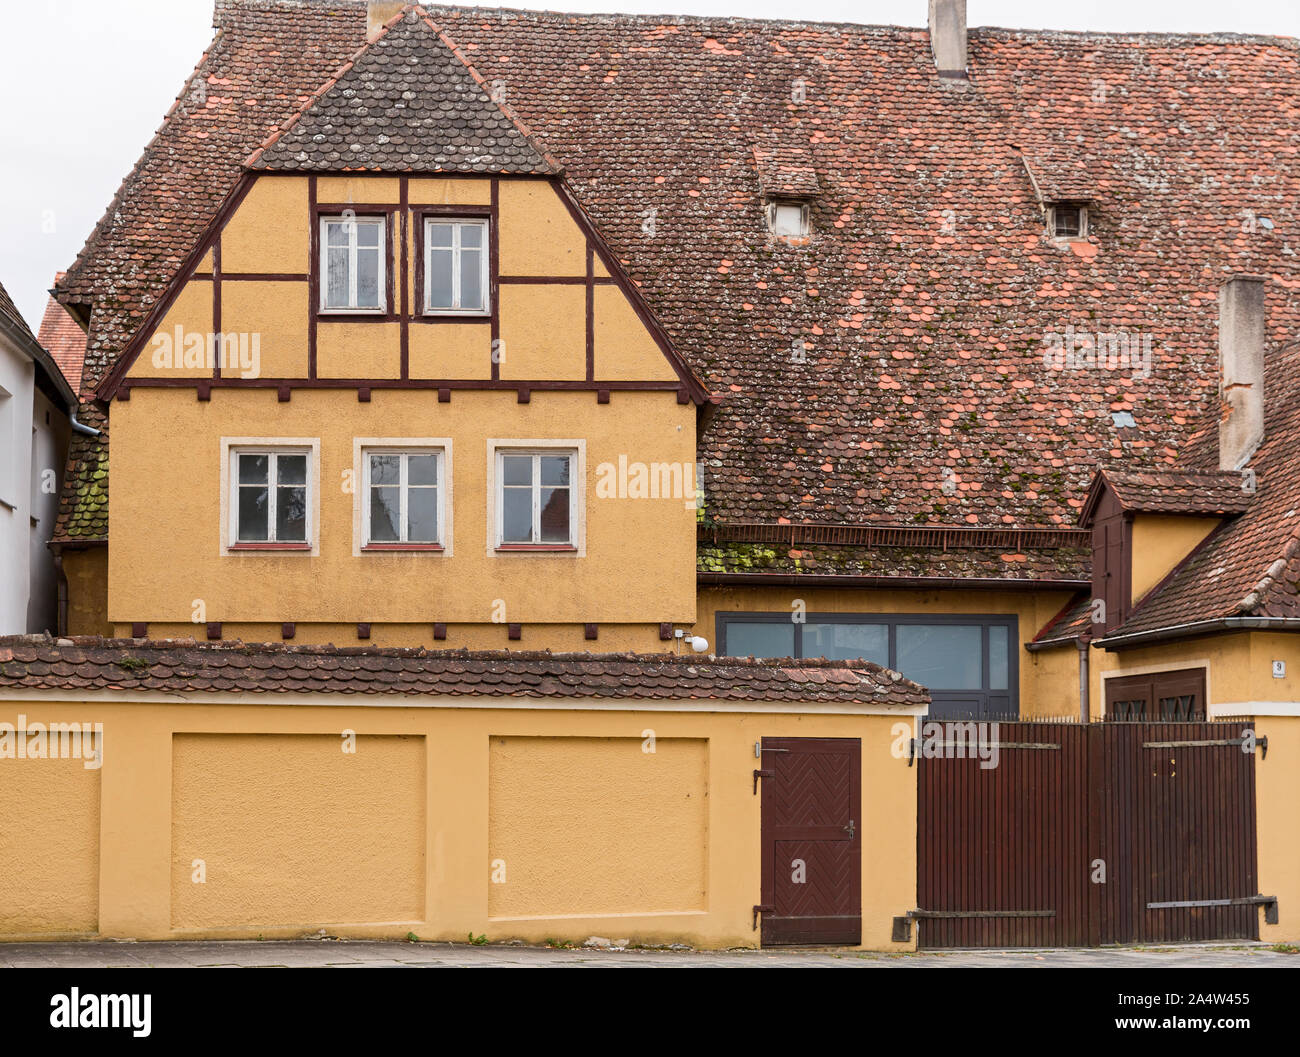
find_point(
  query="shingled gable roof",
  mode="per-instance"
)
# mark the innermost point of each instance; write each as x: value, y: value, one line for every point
x: 1189, y: 492
x: 40, y: 663
x: 408, y: 101
x: 1249, y: 568
x: 922, y: 298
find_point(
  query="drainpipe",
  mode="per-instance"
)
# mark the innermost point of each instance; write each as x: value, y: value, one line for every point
x: 1085, y: 685
x: 81, y: 427
x: 61, y: 621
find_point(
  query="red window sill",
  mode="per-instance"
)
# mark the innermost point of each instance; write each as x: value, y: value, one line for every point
x: 298, y: 547
x: 530, y: 548
x: 434, y: 548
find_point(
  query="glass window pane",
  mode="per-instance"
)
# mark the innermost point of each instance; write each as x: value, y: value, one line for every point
x: 439, y: 234
x: 384, y: 513
x: 517, y: 469
x: 385, y: 469
x: 336, y: 233
x: 999, y: 657
x: 369, y: 234
x: 422, y: 469
x: 941, y: 656
x: 748, y: 639
x: 847, y: 642
x: 291, y: 515
x: 555, y: 515
x: 471, y: 279
x: 253, y: 508
x: 336, y: 279
x: 368, y: 278
x: 253, y: 468
x: 291, y: 469
x: 555, y: 469
x: 471, y: 235
x: 439, y: 279
x: 422, y: 515
x: 517, y: 515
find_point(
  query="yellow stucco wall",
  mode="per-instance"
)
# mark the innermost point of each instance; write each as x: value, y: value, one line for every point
x: 87, y: 575
x: 1160, y: 542
x: 165, y: 512
x: 1277, y: 797
x: 290, y: 829
x: 49, y: 843
x: 570, y: 848
x: 542, y: 325
x: 402, y: 836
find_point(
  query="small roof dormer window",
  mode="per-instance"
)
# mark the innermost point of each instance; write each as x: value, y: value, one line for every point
x: 787, y: 218
x: 1067, y: 220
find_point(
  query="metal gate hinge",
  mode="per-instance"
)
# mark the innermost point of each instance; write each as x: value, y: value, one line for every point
x: 762, y: 774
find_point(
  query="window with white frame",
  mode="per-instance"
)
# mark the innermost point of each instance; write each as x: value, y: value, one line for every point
x: 270, y: 503
x: 353, y: 251
x: 8, y: 444
x: 535, y: 498
x: 403, y: 498
x: 456, y: 266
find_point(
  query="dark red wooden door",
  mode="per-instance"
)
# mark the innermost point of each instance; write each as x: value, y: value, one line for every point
x: 812, y: 841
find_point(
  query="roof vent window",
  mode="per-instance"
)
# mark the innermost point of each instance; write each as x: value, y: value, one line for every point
x: 788, y: 219
x: 1067, y: 220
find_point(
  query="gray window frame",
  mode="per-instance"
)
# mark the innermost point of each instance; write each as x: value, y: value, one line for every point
x: 984, y: 703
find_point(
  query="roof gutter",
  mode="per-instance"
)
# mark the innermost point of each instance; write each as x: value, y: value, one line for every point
x: 1197, y: 627
x: 711, y: 579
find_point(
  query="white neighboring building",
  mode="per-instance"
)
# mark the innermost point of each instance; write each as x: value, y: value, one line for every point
x: 35, y: 404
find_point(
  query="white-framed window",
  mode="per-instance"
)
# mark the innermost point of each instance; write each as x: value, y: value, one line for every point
x: 404, y: 497
x: 456, y: 266
x: 353, y: 264
x: 8, y: 444
x: 788, y: 218
x: 271, y: 500
x: 1067, y: 220
x: 536, y: 500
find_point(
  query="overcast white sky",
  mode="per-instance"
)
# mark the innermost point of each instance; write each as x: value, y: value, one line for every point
x: 86, y: 82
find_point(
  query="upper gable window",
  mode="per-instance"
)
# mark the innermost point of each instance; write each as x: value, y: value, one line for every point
x: 456, y: 266
x: 788, y: 219
x: 352, y: 263
x: 1067, y: 220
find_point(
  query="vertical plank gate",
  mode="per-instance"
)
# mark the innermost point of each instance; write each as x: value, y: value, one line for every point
x: 1087, y: 835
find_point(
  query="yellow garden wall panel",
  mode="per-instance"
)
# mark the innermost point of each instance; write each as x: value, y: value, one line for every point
x: 293, y: 830
x: 296, y: 835
x: 49, y: 844
x: 87, y: 575
x: 1277, y: 798
x: 597, y: 826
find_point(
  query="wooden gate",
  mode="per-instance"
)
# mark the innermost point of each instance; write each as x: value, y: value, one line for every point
x: 1075, y: 835
x: 812, y: 847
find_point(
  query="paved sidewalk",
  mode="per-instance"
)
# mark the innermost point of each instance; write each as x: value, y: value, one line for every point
x: 366, y: 954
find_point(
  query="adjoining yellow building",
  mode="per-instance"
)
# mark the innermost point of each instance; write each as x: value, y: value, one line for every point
x: 422, y: 336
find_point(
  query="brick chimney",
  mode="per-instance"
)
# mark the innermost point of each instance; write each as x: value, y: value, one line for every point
x: 379, y: 13
x: 948, y: 36
x: 1241, y: 369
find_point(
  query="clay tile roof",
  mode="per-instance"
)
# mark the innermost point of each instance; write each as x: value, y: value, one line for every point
x: 1180, y: 491
x: 785, y: 172
x: 923, y: 299
x: 1250, y: 566
x: 64, y: 339
x: 406, y: 102
x: 38, y: 662
x: 10, y: 312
